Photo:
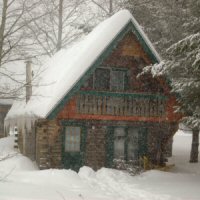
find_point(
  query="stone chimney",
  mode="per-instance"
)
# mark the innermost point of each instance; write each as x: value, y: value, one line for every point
x: 28, y: 80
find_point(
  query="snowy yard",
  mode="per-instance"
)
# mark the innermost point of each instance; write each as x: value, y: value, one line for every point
x: 21, y: 180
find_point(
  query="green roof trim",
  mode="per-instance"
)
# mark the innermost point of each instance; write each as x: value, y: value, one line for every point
x: 117, y: 94
x: 129, y: 27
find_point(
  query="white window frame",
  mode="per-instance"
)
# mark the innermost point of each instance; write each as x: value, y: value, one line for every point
x: 72, y: 139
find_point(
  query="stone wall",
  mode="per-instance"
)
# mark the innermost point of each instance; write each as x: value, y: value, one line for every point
x: 159, y: 141
x: 95, y: 147
x: 49, y: 141
x: 48, y: 144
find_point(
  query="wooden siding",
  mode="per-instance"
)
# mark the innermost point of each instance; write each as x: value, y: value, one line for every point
x: 100, y: 112
x: 128, y: 47
x: 128, y: 105
x: 101, y: 105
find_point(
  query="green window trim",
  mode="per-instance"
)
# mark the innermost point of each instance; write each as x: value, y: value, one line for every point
x: 72, y: 139
x: 118, y: 94
x: 74, y: 160
x: 142, y: 143
x: 108, y: 81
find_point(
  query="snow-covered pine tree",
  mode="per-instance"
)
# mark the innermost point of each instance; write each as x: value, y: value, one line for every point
x: 182, y: 68
x: 166, y: 22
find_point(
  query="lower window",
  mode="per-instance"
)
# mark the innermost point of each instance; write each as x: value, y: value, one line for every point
x: 126, y: 144
x: 72, y: 139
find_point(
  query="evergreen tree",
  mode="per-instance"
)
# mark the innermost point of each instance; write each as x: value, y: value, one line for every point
x: 182, y: 68
x: 166, y: 22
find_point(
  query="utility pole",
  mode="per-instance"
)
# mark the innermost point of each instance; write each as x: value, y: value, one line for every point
x: 28, y: 80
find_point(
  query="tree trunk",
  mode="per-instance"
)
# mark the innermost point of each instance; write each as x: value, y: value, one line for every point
x: 111, y: 7
x: 60, y: 26
x: 195, y: 144
x: 2, y: 27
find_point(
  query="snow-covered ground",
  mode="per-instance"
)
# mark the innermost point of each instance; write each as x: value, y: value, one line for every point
x: 21, y: 180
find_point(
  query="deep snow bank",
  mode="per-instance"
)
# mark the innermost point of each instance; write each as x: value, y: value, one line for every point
x: 25, y: 182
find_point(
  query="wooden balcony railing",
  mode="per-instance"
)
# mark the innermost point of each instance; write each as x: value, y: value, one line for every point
x: 118, y: 104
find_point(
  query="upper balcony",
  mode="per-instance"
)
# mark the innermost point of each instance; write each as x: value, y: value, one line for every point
x: 121, y: 104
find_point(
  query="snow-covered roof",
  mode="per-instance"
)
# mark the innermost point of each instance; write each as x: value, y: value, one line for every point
x: 67, y: 66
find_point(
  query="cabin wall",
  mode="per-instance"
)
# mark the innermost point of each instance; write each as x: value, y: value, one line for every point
x: 98, y: 142
x: 145, y: 104
x: 96, y: 147
x: 128, y: 47
x: 130, y: 55
x: 26, y: 141
x: 29, y: 143
x: 146, y: 98
x: 48, y: 144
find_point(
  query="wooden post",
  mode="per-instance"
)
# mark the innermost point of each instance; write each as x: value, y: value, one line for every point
x: 28, y: 80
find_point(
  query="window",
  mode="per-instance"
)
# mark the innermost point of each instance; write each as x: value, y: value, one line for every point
x: 72, y: 139
x: 102, y: 79
x: 89, y: 83
x: 108, y: 79
x: 119, y: 139
x: 117, y: 81
x: 128, y: 149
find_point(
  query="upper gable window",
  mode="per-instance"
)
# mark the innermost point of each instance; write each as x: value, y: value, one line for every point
x: 108, y: 79
x: 102, y: 79
x: 118, y: 80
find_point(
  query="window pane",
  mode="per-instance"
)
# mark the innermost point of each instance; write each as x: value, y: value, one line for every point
x: 132, y: 144
x: 119, y: 139
x: 72, y: 139
x: 117, y: 80
x: 102, y: 79
x: 89, y: 83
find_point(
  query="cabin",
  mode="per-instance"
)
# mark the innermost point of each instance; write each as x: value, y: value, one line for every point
x: 5, y: 105
x: 91, y: 107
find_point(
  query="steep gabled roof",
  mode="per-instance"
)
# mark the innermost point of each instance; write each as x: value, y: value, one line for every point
x: 67, y: 67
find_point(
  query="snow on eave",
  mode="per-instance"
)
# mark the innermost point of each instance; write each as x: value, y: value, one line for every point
x: 16, y: 117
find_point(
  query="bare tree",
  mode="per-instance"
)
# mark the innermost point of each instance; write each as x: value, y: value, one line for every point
x: 108, y: 7
x: 15, y: 44
x: 9, y: 28
x: 63, y: 22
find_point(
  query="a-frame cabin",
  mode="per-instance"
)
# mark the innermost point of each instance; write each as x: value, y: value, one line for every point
x: 96, y: 109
